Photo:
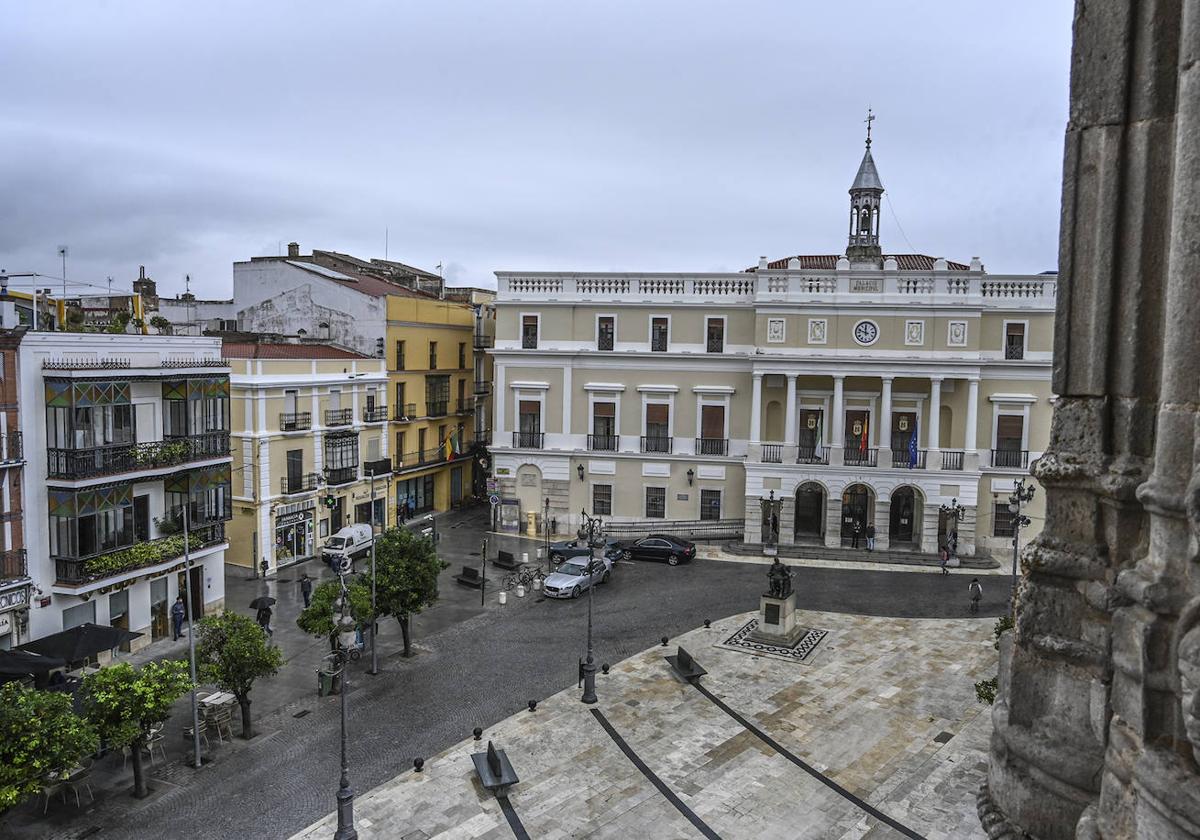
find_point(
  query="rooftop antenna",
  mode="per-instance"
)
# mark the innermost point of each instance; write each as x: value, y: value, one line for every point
x: 110, y: 287
x: 441, y: 282
x: 62, y: 252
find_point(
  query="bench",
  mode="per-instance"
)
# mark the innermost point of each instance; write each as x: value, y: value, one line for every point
x: 506, y: 561
x: 469, y: 576
x: 685, y: 666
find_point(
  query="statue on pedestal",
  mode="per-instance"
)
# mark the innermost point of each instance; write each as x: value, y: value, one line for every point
x: 779, y: 580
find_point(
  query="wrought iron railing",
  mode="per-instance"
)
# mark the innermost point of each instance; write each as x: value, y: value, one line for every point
x: 464, y: 406
x: 290, y: 485
x: 812, y: 455
x: 380, y: 466
x: 772, y: 453
x: 14, y: 564
x: 529, y: 440
x: 339, y: 416
x: 127, y: 457
x: 603, y: 443
x: 295, y: 421
x: 860, y: 457
x: 482, y: 387
x: 377, y: 414
x: 903, y: 458
x: 1010, y: 458
x: 405, y: 412
x: 483, y: 342
x: 952, y: 459
x: 1014, y: 351
x: 712, y: 446
x: 76, y: 570
x: 85, y: 364
x: 341, y: 475
x: 715, y: 345
x: 656, y: 443
x: 700, y: 530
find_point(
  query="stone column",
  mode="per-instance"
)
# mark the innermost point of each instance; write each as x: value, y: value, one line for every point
x: 789, y: 426
x: 756, y: 409
x: 839, y: 422
x: 1093, y: 714
x: 884, y: 424
x: 971, y: 445
x: 935, y: 423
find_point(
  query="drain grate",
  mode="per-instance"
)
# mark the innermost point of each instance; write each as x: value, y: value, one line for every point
x: 301, y: 713
x: 943, y: 737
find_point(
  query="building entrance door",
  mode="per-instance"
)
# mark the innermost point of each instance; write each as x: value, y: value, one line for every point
x: 197, y: 590
x: 856, y: 509
x: 810, y: 511
x: 900, y: 526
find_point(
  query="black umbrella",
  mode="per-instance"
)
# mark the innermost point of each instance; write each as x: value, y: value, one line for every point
x: 262, y: 602
x: 22, y: 663
x: 80, y: 642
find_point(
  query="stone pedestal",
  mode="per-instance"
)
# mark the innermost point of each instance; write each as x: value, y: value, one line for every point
x: 777, y: 621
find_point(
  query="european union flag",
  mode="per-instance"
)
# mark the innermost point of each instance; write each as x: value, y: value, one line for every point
x: 912, y: 449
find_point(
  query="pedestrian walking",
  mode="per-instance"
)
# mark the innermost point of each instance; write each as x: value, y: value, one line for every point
x: 855, y: 531
x: 178, y: 614
x: 870, y: 537
x: 306, y: 589
x: 264, y: 620
x: 402, y: 509
x: 944, y: 556
x: 976, y: 590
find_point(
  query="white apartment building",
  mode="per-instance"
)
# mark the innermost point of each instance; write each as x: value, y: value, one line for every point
x: 122, y: 433
x: 860, y: 388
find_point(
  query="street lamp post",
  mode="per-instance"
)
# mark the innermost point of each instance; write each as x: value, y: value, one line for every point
x: 589, y: 529
x: 374, y: 621
x: 187, y: 576
x: 1020, y: 494
x: 345, y: 795
x: 955, y: 513
x: 546, y: 532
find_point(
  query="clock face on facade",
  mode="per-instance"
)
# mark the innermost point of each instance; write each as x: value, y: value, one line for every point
x: 865, y: 332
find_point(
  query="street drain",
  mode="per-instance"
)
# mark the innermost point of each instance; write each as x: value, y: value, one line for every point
x: 301, y: 713
x: 943, y: 737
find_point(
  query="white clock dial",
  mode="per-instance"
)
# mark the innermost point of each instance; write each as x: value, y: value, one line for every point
x: 865, y: 332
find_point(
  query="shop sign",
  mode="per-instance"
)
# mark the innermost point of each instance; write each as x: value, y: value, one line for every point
x: 292, y: 519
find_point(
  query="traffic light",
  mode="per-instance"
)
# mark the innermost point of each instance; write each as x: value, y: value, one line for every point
x: 329, y: 501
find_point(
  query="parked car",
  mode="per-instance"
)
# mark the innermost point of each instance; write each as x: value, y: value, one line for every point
x: 347, y: 545
x: 659, y: 547
x: 567, y: 549
x: 572, y: 578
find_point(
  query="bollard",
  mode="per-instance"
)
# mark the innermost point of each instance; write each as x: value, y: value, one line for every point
x: 707, y: 624
x: 524, y: 557
x: 537, y: 584
x: 664, y: 641
x: 604, y: 668
x: 477, y: 732
x: 520, y: 590
x: 533, y: 705
x: 504, y: 600
x: 418, y: 763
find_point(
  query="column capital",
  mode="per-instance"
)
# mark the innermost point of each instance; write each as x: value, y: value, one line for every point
x: 757, y: 374
x: 937, y: 379
x: 792, y: 376
x: 886, y: 378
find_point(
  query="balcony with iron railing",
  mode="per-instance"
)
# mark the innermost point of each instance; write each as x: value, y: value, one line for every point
x: 380, y: 466
x: 14, y: 564
x: 295, y: 421
x: 375, y: 414
x: 812, y: 455
x: 856, y: 457
x: 419, y: 459
x: 603, y: 443
x: 131, y: 457
x: 464, y: 406
x: 529, y: 440
x: 405, y: 412
x: 903, y: 458
x: 657, y: 443
x: 1010, y: 458
x: 436, y: 408
x: 12, y: 450
x: 483, y: 387
x: 772, y: 453
x: 291, y: 485
x: 952, y: 459
x: 483, y: 342
x: 335, y: 476
x: 339, y: 416
x: 73, y: 571
x: 712, y: 446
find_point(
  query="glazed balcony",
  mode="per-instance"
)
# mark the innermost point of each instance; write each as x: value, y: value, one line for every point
x: 115, y: 459
x: 14, y: 564
x: 72, y: 571
x: 12, y: 450
x: 380, y: 466
x: 336, y: 476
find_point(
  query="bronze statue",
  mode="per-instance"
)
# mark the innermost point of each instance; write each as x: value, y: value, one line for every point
x: 779, y: 580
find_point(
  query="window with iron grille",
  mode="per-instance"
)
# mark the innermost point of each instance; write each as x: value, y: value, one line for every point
x: 529, y: 332
x: 341, y: 450
x: 1014, y: 341
x: 605, y: 332
x: 399, y: 355
x: 715, y: 335
x: 656, y: 503
x: 659, y: 328
x: 602, y: 500
x: 710, y: 504
x: 1002, y: 520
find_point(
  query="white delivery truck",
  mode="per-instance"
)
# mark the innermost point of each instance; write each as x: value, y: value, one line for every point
x: 347, y: 545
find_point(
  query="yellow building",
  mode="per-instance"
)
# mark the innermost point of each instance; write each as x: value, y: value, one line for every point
x: 309, y: 428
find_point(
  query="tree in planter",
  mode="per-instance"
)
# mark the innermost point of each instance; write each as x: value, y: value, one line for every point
x: 39, y: 733
x: 317, y: 619
x: 124, y: 703
x: 406, y: 574
x: 232, y: 651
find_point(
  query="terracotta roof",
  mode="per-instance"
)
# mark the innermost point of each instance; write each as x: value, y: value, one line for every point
x: 260, y: 350
x: 828, y: 262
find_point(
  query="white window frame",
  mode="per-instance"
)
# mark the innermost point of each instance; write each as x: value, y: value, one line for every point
x: 782, y: 330
x: 669, y: 399
x: 596, y: 330
x: 605, y: 396
x: 1024, y: 337
x: 812, y: 322
x: 666, y: 501
x: 523, y: 395
x: 921, y: 332
x: 724, y: 333
x: 650, y: 332
x: 521, y: 329
x: 1006, y: 409
x: 721, y: 400
x: 966, y: 325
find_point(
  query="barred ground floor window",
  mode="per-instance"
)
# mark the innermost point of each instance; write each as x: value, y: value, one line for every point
x: 656, y: 503
x: 602, y: 500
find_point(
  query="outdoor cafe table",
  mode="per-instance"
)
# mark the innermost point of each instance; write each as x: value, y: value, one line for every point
x: 221, y: 698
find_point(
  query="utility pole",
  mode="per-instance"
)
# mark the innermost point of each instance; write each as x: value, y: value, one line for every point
x: 62, y: 252
x: 1020, y: 495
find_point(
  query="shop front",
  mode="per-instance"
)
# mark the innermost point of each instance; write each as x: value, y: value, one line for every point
x: 14, y: 606
x: 294, y: 537
x: 414, y: 495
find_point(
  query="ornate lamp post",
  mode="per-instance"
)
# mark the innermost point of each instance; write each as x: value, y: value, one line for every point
x: 589, y: 530
x: 1020, y: 494
x: 345, y: 795
x: 955, y: 513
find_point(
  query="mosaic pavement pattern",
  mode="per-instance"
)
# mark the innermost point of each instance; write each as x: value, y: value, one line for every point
x: 804, y: 647
x: 887, y: 710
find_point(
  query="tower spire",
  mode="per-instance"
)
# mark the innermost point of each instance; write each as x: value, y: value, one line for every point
x: 866, y: 194
x: 870, y: 119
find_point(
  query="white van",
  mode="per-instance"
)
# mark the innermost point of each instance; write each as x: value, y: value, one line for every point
x: 347, y: 545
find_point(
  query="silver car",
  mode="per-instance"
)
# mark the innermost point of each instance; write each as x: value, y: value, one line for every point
x: 572, y: 578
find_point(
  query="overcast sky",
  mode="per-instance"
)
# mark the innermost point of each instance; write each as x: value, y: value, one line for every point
x: 645, y: 135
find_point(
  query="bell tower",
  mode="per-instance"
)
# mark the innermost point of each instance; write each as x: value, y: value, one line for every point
x: 865, y: 202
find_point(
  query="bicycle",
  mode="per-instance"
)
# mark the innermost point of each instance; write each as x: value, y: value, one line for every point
x: 523, y: 577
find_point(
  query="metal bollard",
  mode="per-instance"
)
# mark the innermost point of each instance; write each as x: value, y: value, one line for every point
x: 520, y: 590
x: 537, y: 584
x: 524, y: 557
x: 503, y: 598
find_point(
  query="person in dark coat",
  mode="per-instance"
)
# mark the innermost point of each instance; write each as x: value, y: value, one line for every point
x: 870, y: 537
x: 178, y: 614
x: 264, y: 620
x: 306, y: 589
x: 854, y: 536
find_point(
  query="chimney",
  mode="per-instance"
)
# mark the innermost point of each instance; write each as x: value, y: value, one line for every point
x: 293, y: 249
x: 141, y: 272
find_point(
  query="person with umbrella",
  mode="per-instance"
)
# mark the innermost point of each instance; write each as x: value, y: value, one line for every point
x: 178, y: 614
x: 263, y: 604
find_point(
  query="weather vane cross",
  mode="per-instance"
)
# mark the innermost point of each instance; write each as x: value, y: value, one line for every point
x: 868, y: 120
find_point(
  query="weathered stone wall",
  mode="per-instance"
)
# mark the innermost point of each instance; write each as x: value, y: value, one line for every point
x: 1097, y: 723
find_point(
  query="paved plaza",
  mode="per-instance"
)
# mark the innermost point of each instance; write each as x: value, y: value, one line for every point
x: 885, y: 708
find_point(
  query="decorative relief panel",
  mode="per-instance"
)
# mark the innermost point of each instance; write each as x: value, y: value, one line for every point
x: 914, y: 332
x: 776, y: 330
x: 817, y: 330
x: 956, y: 334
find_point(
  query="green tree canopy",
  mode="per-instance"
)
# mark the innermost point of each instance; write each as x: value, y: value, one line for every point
x: 406, y: 572
x: 39, y: 733
x: 123, y: 703
x: 232, y: 651
x: 317, y: 618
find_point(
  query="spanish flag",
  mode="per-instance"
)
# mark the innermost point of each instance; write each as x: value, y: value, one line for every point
x: 448, y: 447
x: 862, y: 447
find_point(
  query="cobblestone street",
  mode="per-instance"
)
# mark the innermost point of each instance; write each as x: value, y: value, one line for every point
x: 473, y: 666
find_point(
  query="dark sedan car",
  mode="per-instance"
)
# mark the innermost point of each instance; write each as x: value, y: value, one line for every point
x: 560, y: 551
x: 659, y: 547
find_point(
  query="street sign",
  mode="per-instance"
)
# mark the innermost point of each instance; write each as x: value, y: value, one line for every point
x: 494, y: 499
x: 491, y: 485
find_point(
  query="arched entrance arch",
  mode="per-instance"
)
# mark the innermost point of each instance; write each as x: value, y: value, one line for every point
x: 858, y: 508
x: 809, y: 516
x: 906, y: 517
x: 774, y: 418
x: 529, y: 489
